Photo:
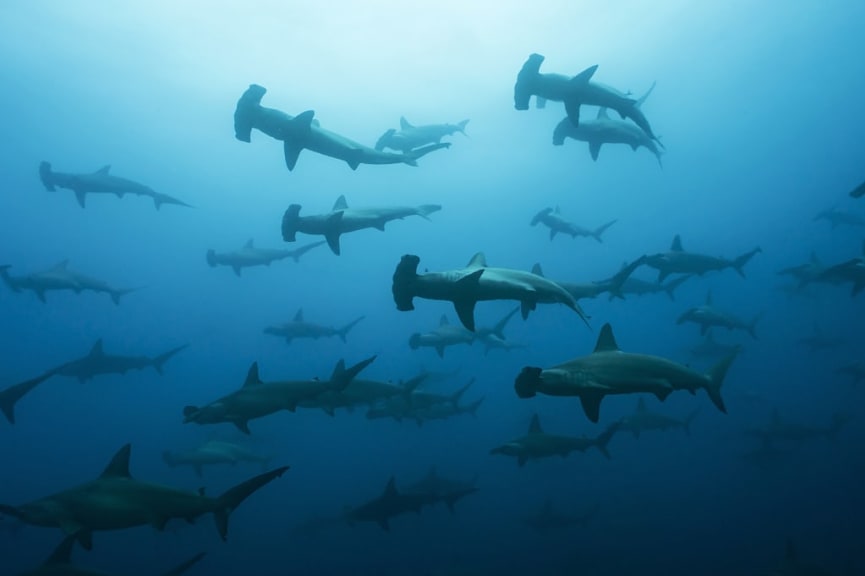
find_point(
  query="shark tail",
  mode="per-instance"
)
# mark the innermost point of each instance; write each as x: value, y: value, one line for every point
x: 473, y: 407
x: 47, y: 176
x: 211, y: 258
x: 343, y: 376
x: 116, y: 294
x: 456, y: 396
x: 412, y: 157
x: 858, y: 192
x: 752, y: 326
x: 424, y: 210
x: 160, y: 360
x: 403, y: 282
x: 296, y: 254
x: 246, y: 111
x: 461, y: 126
x: 596, y: 234
x: 527, y: 382
x: 184, y: 566
x: 614, y: 284
x: 233, y: 497
x: 499, y: 328
x: 739, y: 263
x: 11, y: 395
x: 604, y: 438
x: 716, y: 379
x: 7, y: 279
x: 345, y: 329
x: 670, y: 287
x: 290, y: 223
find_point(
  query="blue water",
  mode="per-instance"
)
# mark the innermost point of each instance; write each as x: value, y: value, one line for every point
x: 760, y: 109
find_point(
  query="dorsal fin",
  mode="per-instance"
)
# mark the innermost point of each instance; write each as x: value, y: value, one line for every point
x: 96, y: 350
x: 390, y: 489
x: 709, y: 298
x: 535, y: 425
x: 249, y: 244
x: 677, y: 244
x: 104, y: 170
x: 62, y: 555
x: 252, y: 378
x: 443, y: 321
x: 477, y: 261
x: 602, y: 113
x: 119, y: 465
x: 404, y: 124
x: 340, y: 204
x: 641, y: 405
x: 585, y: 75
x: 606, y: 340
x: 537, y: 270
x: 298, y: 317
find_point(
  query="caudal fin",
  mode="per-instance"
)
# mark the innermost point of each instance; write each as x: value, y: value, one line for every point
x: 345, y: 329
x: 716, y: 380
x: 596, y: 234
x: 604, y: 438
x: 424, y: 210
x: 739, y: 263
x: 412, y: 157
x: 233, y: 497
x: 117, y: 293
x: 342, y: 376
x: 461, y: 127
x: 160, y: 360
x: 11, y: 395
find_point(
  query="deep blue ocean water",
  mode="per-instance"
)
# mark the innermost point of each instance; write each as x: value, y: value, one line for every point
x: 759, y: 106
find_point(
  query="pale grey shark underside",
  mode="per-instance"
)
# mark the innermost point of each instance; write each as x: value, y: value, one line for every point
x: 249, y: 256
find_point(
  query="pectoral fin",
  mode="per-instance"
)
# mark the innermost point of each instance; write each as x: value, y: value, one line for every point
x: 292, y: 152
x: 591, y: 405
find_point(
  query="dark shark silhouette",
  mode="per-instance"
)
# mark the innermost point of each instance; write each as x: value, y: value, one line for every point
x: 410, y: 137
x: 97, y: 362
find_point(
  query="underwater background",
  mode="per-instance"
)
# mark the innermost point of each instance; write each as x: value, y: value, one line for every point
x: 759, y: 108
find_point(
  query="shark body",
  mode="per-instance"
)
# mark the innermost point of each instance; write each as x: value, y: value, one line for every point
x: 410, y: 137
x: 300, y: 328
x: 250, y: 256
x: 60, y: 277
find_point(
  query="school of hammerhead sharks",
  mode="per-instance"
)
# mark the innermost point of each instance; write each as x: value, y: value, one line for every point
x: 115, y: 500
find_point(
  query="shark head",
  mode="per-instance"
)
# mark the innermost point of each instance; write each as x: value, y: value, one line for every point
x: 290, y: 223
x: 527, y: 382
x: 403, y: 282
x: 525, y: 80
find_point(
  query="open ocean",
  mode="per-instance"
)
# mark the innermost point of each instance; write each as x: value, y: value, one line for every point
x: 758, y: 114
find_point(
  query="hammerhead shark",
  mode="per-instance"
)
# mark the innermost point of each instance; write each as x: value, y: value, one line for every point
x: 410, y: 137
x: 465, y: 287
x: 707, y: 316
x: 249, y: 256
x: 852, y: 271
x: 342, y: 219
x: 59, y: 277
x: 537, y: 444
x: 300, y: 328
x: 115, y: 500
x: 389, y: 504
x: 302, y: 132
x: 678, y: 261
x: 643, y: 420
x: 101, y: 182
x: 446, y: 334
x: 97, y: 362
x: 552, y: 218
x: 608, y: 370
x: 211, y: 453
x: 257, y: 399
x: 441, y: 488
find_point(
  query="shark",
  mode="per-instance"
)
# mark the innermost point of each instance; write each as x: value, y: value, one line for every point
x: 644, y: 420
x: 389, y: 504
x: 806, y: 272
x: 250, y: 256
x: 574, y: 92
x: 465, y: 287
x: 60, y: 277
x: 852, y: 271
x: 257, y: 399
x: 410, y: 137
x: 605, y: 130
x: 608, y: 370
x: 59, y: 563
x: 788, y: 431
x: 211, y: 453
x: 446, y: 334
x: 836, y: 217
x: 97, y: 362
x: 707, y: 316
x: 115, y: 501
x: 342, y: 220
x: 855, y: 370
x: 442, y: 489
x: 859, y: 191
x: 11, y: 395
x: 818, y: 341
x: 639, y: 287
x: 708, y: 347
x: 302, y: 132
x: 678, y: 261
x: 440, y: 411
x: 300, y: 328
x: 548, y: 520
x: 612, y: 285
x: 552, y: 218
x: 101, y: 182
x: 537, y: 444
x: 493, y: 337
x: 420, y: 406
x: 362, y: 392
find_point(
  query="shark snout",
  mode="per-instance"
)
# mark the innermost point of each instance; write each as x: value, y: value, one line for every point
x: 528, y: 381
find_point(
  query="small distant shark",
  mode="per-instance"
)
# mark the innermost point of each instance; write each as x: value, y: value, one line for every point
x: 446, y: 334
x: 858, y: 192
x: 249, y: 256
x: 115, y: 500
x: 60, y: 277
x: 257, y: 399
x: 837, y: 217
x: 362, y: 392
x: 574, y: 92
x: 465, y: 287
x: 711, y: 348
x: 810, y: 271
x: 606, y: 130
x: 493, y: 337
x: 342, y: 220
x: 612, y: 285
x: 639, y: 287
x: 677, y: 261
x: 780, y: 430
x: 551, y: 217
x: 852, y: 271
x: 643, y: 420
x: 537, y: 444
x: 421, y: 406
x: 707, y: 316
x: 97, y: 362
x: 818, y: 341
x: 411, y: 137
x: 855, y: 370
x: 211, y: 453
x: 608, y: 370
x: 300, y: 328
x: 302, y: 132
x: 389, y: 504
x: 442, y: 489
x: 59, y: 563
x: 101, y: 182
x: 548, y: 519
x: 10, y: 396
